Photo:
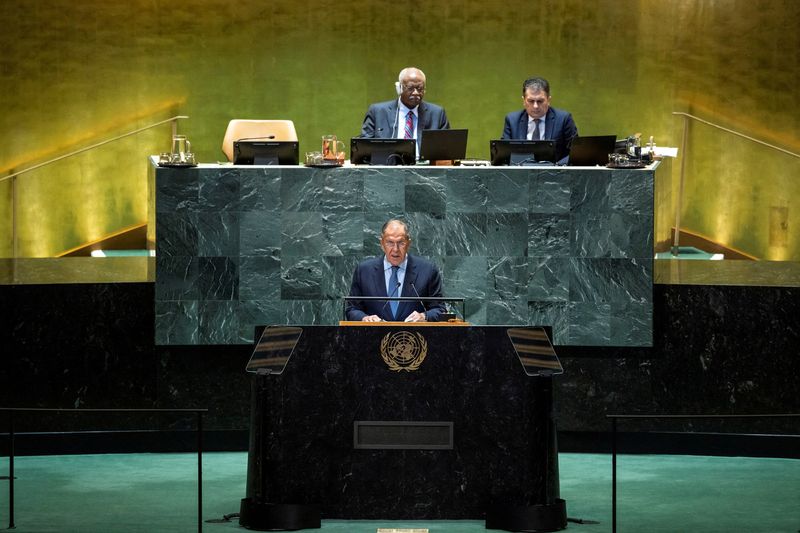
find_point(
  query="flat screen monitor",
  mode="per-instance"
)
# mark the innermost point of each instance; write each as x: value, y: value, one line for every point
x: 266, y: 152
x: 503, y: 152
x: 443, y: 145
x: 591, y: 150
x: 364, y: 151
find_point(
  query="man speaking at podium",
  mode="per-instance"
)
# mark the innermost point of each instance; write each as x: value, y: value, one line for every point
x: 395, y: 274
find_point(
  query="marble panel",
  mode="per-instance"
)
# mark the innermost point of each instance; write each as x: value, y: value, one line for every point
x: 177, y: 322
x: 254, y: 313
x: 589, y: 323
x: 177, y: 190
x: 465, y: 277
x: 549, y: 191
x: 611, y: 280
x: 301, y: 191
x: 631, y: 323
x: 219, y: 191
x: 176, y: 234
x: 466, y: 195
x: 429, y: 234
x: 342, y: 190
x: 260, y: 277
x: 384, y: 192
x: 301, y: 279
x: 218, y: 234
x: 507, y: 192
x: 218, y: 278
x: 590, y: 191
x: 506, y: 278
x: 556, y: 315
x: 426, y: 193
x: 300, y: 311
x: 177, y: 278
x: 218, y: 322
x: 549, y: 235
x: 549, y: 279
x: 507, y: 234
x: 301, y: 234
x: 337, y: 275
x: 343, y: 233
x: 259, y: 232
x: 466, y: 234
x: 631, y: 191
x: 507, y: 312
x: 260, y: 191
x: 612, y: 235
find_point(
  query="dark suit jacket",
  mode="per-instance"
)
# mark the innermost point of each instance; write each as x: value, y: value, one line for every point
x: 369, y: 280
x: 381, y: 121
x: 559, y: 127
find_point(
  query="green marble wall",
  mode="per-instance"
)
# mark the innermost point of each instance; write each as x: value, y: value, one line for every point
x: 74, y: 73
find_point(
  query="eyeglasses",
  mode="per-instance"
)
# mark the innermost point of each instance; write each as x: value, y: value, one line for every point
x: 411, y: 88
x: 400, y: 245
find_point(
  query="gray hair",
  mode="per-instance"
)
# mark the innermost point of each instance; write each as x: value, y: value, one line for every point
x: 397, y: 221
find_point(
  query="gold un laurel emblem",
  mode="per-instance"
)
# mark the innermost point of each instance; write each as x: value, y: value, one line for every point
x: 403, y: 350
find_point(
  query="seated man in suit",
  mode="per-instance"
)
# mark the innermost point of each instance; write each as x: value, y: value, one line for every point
x: 395, y: 274
x: 408, y: 115
x: 539, y: 121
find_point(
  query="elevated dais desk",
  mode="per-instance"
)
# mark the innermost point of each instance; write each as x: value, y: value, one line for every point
x: 566, y: 247
x: 403, y: 421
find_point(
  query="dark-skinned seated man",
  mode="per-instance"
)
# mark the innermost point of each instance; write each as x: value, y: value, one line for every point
x: 406, y: 116
x: 396, y: 273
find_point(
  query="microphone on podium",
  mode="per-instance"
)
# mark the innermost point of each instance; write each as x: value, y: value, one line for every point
x: 425, y: 309
x: 256, y: 138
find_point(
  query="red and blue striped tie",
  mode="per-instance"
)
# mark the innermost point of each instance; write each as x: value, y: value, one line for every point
x: 409, y: 131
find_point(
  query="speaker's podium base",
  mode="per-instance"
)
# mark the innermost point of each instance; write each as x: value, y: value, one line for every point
x: 263, y: 516
x: 543, y: 517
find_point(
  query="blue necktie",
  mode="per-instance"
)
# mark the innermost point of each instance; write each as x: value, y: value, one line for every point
x: 393, y: 283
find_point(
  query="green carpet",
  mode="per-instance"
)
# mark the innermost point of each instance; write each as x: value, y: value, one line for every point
x: 157, y: 493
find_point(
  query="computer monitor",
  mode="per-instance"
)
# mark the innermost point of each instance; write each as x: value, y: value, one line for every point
x: 443, y: 145
x: 517, y: 152
x: 591, y: 150
x: 266, y: 153
x: 366, y: 151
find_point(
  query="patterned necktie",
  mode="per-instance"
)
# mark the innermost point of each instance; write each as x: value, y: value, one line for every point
x: 393, y: 283
x: 409, y: 130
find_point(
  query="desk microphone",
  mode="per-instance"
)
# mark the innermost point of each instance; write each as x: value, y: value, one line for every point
x: 418, y: 296
x: 255, y: 138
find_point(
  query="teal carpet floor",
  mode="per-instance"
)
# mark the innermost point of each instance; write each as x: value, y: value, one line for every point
x: 157, y: 493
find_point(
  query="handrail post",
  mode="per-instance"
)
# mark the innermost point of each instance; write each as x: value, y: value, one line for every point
x: 679, y: 204
x: 200, y: 471
x: 11, y: 471
x: 614, y: 475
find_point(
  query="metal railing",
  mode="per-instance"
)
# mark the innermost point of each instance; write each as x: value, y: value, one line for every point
x: 13, y: 177
x: 614, y: 419
x: 684, y: 141
x: 11, y: 435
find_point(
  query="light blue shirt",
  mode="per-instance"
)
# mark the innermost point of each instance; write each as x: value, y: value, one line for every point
x: 401, y: 276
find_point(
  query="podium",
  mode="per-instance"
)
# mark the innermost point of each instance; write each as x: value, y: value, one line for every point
x: 403, y: 421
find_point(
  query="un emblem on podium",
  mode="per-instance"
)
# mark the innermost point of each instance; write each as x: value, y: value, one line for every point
x: 403, y: 350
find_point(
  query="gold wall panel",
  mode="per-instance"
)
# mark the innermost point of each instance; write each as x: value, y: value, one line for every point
x: 77, y: 72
